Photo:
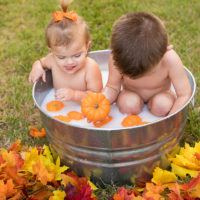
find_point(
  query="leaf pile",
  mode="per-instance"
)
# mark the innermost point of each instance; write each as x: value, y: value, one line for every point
x: 31, y: 174
x: 172, y: 184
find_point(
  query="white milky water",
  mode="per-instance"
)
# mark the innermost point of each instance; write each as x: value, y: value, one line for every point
x: 117, y: 117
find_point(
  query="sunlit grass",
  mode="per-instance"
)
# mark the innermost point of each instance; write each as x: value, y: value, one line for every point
x: 22, y: 41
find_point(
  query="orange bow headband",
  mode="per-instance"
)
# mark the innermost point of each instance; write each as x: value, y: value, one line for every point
x: 58, y: 15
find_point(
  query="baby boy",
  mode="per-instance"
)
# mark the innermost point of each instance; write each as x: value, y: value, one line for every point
x: 142, y: 67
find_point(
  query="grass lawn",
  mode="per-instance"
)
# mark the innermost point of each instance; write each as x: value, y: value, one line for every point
x: 22, y: 41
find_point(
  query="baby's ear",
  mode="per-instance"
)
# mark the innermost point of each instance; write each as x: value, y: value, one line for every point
x: 169, y: 47
x: 89, y: 45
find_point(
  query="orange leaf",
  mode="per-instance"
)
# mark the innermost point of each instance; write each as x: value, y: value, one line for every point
x: 103, y: 122
x: 175, y: 193
x: 74, y: 115
x: 153, y: 191
x: 123, y: 194
x: 7, y: 190
x: 42, y: 194
x: 42, y: 173
x: 17, y: 196
x: 54, y: 106
x: 12, y: 173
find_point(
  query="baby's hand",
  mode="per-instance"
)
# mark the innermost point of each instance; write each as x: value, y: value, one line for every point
x: 37, y: 72
x: 64, y: 94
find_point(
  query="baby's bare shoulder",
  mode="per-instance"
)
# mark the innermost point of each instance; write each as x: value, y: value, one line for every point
x: 171, y: 59
x: 91, y: 64
x: 49, y: 61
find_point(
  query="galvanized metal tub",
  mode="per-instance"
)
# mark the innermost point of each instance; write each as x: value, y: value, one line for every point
x: 113, y: 155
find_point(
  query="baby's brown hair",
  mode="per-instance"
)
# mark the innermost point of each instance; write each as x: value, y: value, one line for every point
x: 138, y: 42
x: 62, y: 33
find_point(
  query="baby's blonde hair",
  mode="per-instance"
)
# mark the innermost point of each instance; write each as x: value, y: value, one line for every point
x: 63, y: 32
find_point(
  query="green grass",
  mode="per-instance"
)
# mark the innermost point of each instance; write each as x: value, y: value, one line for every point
x: 22, y: 26
x: 22, y: 41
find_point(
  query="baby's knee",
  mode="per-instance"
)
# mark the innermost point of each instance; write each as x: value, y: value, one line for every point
x: 160, y: 105
x: 129, y: 103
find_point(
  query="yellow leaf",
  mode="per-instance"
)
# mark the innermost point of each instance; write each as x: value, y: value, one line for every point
x: 67, y: 179
x: 47, y: 152
x: 58, y: 195
x: 138, y: 198
x: 56, y: 169
x: 197, y: 147
x: 8, y: 157
x: 163, y: 176
x: 31, y: 159
x: 92, y: 185
x: 182, y: 172
x: 182, y: 161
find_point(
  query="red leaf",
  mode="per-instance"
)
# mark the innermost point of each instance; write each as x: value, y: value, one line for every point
x: 175, y: 193
x: 18, y: 161
x: 197, y: 156
x: 15, y: 145
x: 189, y: 186
x: 123, y: 194
x: 84, y: 194
x: 1, y: 160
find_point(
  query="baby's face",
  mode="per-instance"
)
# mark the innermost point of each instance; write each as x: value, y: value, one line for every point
x: 71, y: 58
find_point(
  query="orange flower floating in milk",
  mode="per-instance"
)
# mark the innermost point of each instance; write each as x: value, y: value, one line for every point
x: 132, y: 120
x: 103, y: 122
x: 53, y: 106
x: 73, y: 115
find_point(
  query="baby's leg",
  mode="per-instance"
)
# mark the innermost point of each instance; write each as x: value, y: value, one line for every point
x: 160, y: 104
x: 129, y: 102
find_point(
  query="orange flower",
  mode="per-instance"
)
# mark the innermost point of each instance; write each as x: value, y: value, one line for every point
x: 63, y: 118
x: 103, y: 122
x: 53, y: 106
x: 132, y: 120
x: 34, y: 131
x: 74, y: 115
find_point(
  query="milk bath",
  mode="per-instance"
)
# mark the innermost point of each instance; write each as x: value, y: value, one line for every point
x: 117, y: 117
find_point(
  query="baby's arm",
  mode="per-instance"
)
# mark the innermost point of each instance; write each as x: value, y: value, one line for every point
x: 38, y: 69
x: 113, y: 85
x: 179, y: 79
x: 93, y: 79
